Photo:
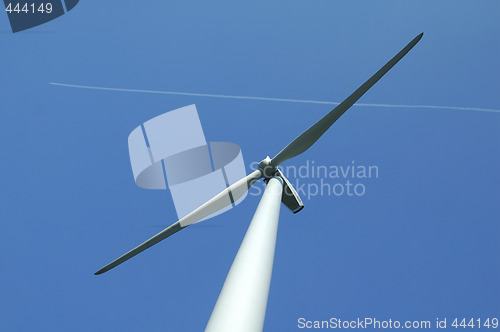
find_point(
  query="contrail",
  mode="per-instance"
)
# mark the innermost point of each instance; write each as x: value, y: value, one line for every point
x: 304, y: 101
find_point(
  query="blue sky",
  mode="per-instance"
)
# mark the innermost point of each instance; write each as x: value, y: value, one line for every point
x: 421, y: 243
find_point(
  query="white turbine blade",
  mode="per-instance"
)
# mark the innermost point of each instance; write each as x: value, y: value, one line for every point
x: 235, y: 191
x: 311, y: 135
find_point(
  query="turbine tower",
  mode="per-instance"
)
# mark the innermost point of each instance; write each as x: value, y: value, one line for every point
x: 242, y: 302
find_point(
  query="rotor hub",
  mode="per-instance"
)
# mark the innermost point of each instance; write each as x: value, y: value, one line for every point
x: 267, y: 169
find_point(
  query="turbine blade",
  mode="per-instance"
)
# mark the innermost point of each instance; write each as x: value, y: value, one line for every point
x: 236, y: 191
x: 172, y: 229
x: 305, y: 140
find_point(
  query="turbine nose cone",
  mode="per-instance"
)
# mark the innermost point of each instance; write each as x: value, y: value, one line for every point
x: 267, y: 168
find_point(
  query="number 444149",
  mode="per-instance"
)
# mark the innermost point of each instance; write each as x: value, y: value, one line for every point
x: 487, y: 323
x: 32, y: 8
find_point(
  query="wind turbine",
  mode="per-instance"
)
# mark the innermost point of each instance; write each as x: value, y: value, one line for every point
x: 242, y: 302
